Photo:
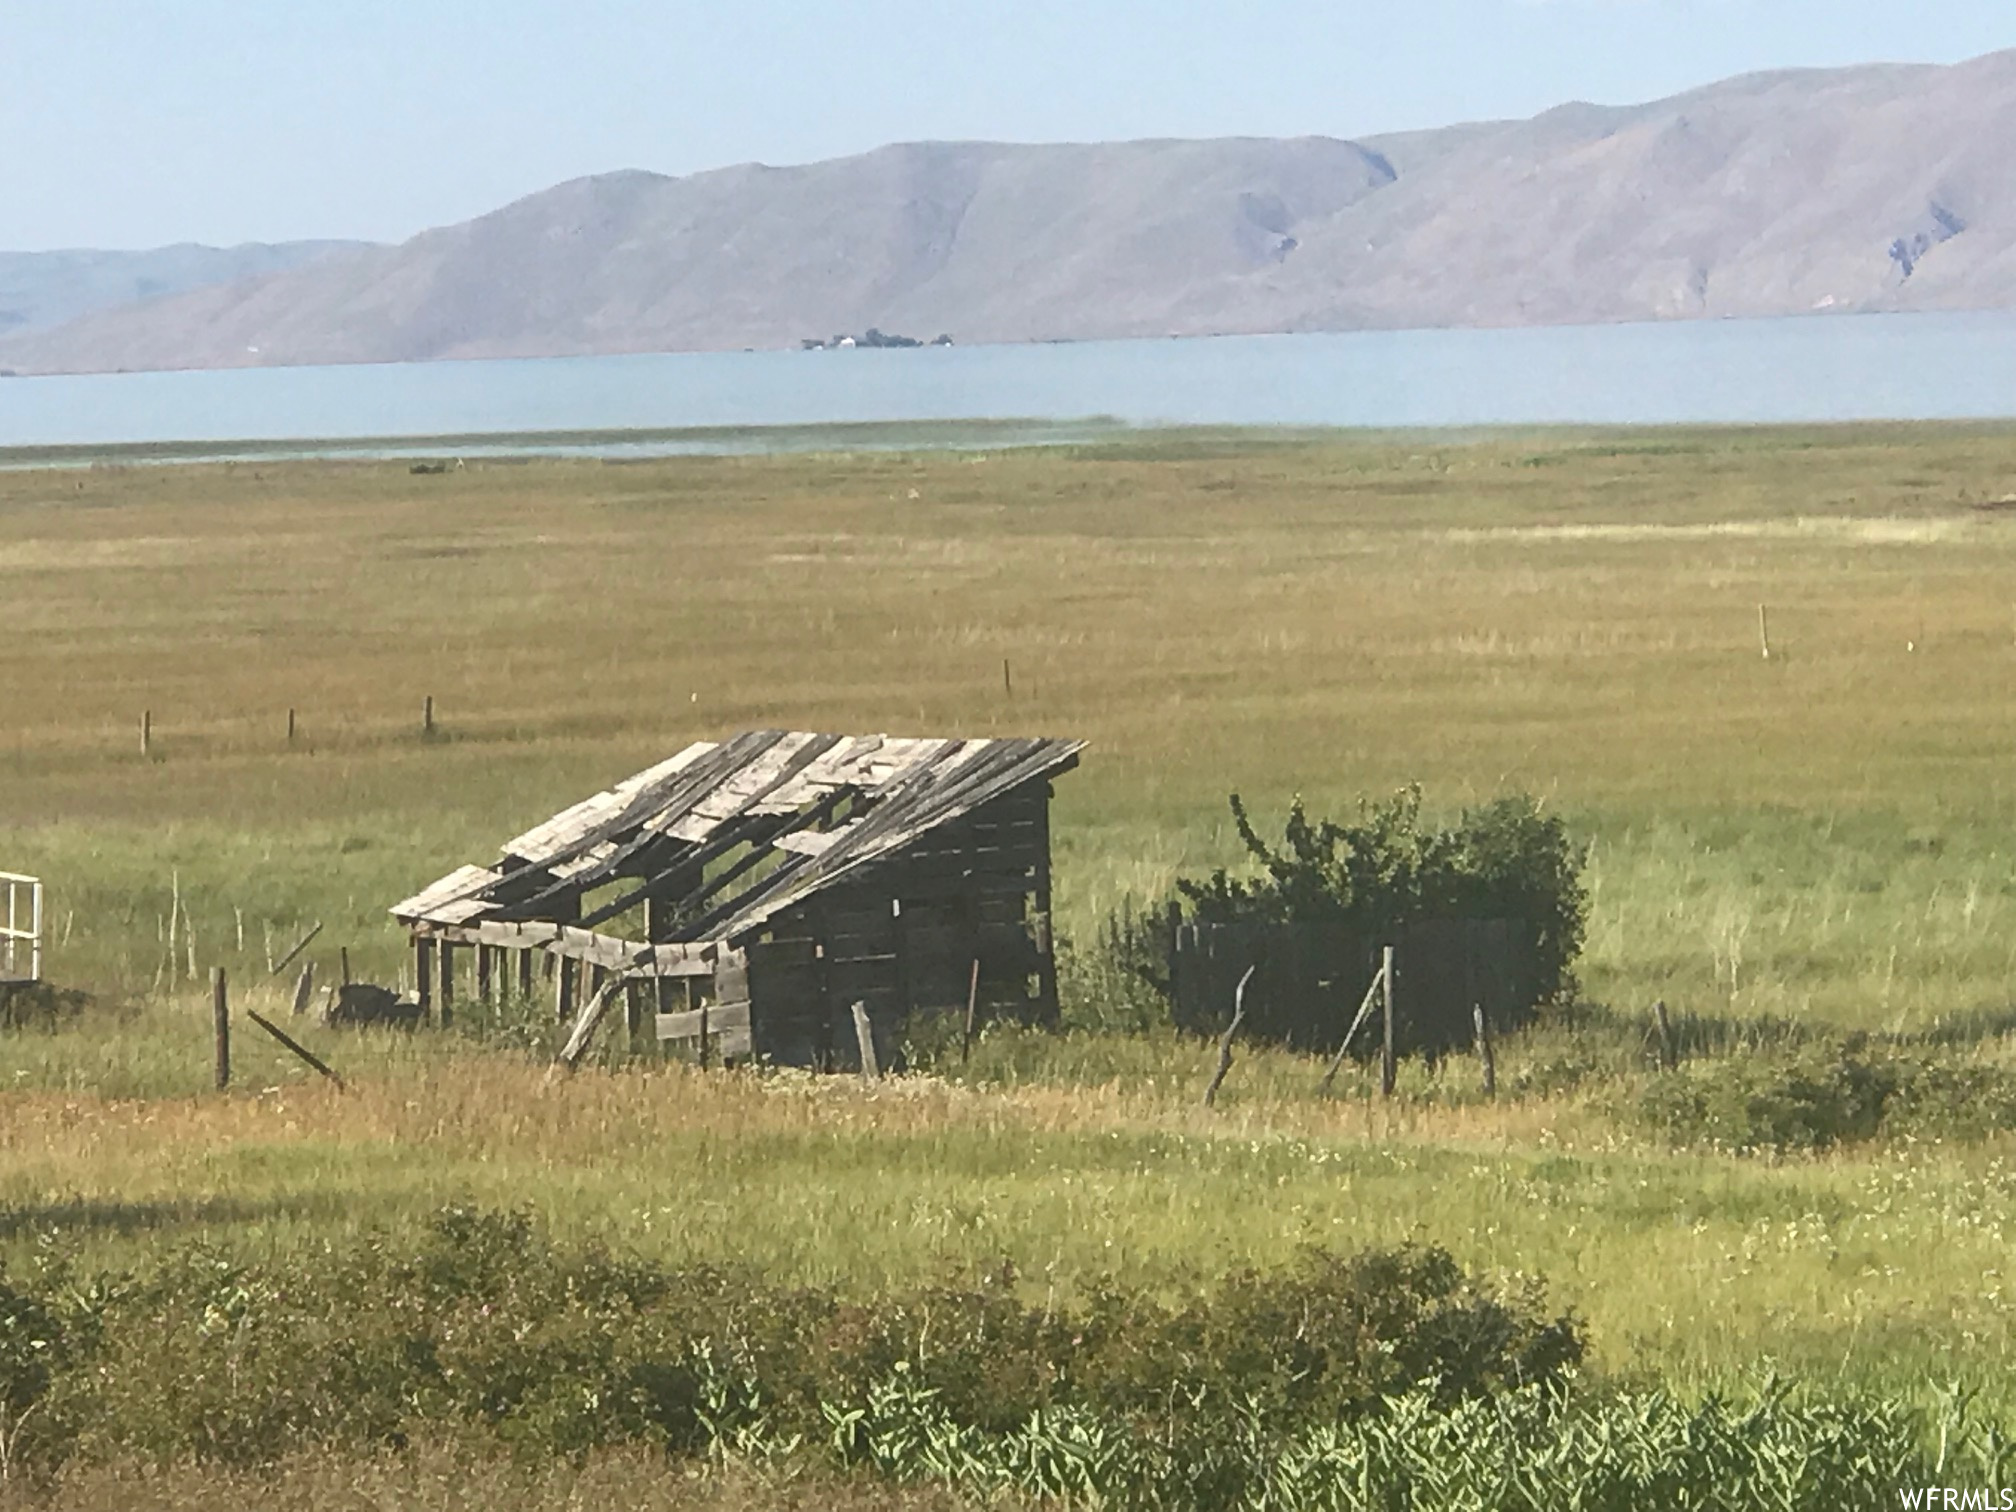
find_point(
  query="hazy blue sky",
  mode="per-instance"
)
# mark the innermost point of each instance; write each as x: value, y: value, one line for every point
x: 136, y: 122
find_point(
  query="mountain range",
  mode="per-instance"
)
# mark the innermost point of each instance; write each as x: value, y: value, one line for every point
x: 1888, y: 187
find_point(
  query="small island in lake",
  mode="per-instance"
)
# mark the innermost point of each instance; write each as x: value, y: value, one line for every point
x: 870, y: 338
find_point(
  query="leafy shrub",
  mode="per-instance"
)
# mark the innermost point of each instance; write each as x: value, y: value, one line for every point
x: 1386, y: 1380
x: 1390, y: 868
x: 1828, y: 1093
x: 479, y: 1326
x: 1820, y: 1097
x: 1939, y: 1099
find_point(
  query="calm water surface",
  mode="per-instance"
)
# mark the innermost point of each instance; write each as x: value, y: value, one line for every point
x: 1810, y: 369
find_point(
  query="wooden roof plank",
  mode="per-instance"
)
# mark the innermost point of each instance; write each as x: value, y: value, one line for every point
x: 705, y: 792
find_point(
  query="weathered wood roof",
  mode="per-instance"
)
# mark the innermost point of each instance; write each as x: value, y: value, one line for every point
x: 814, y: 808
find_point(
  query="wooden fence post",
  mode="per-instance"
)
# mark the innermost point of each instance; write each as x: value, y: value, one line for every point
x: 1668, y: 1055
x: 864, y: 1036
x: 1388, y: 1066
x: 146, y: 732
x: 447, y: 983
x: 220, y: 1017
x: 1225, y: 1044
x: 1485, y: 1054
x: 972, y: 1005
x: 635, y: 991
x: 427, y: 716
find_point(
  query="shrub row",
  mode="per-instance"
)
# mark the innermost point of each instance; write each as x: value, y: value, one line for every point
x: 1388, y: 1380
x: 482, y: 1325
x: 1828, y: 1094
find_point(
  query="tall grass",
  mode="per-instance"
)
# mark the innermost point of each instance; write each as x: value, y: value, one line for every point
x: 1783, y: 850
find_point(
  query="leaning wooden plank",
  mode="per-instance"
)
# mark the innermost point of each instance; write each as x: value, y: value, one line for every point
x: 294, y: 1045
x: 864, y: 1038
x: 585, y: 1026
x: 299, y: 946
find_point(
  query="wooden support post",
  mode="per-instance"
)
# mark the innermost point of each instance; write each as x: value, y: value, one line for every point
x: 634, y: 995
x: 1669, y: 1056
x: 1225, y: 1044
x: 972, y: 1006
x: 1485, y: 1055
x: 563, y: 988
x: 864, y: 1036
x: 1388, y: 1065
x: 287, y: 1040
x: 486, y: 987
x: 1364, y: 1008
x: 447, y: 983
x: 526, y: 966
x: 423, y: 973
x: 343, y: 960
x: 1046, y: 942
x: 703, y: 1036
x: 657, y: 925
x: 220, y: 1018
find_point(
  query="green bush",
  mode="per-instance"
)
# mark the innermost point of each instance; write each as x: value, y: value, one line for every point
x: 1827, y: 1094
x: 1390, y: 868
x: 1387, y: 1380
x: 479, y: 1326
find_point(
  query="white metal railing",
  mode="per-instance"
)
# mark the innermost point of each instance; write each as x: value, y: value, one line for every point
x: 21, y: 944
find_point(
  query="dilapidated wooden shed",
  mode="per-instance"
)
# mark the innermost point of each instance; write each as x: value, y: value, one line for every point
x: 750, y: 892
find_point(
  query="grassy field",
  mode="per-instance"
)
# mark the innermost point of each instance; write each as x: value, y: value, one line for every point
x: 1782, y: 849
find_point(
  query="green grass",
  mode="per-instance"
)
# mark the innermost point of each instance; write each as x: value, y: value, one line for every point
x: 1792, y: 848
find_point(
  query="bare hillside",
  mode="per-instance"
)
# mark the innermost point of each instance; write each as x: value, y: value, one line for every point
x: 1882, y: 188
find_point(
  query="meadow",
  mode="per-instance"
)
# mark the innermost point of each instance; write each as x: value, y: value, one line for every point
x: 1807, y: 856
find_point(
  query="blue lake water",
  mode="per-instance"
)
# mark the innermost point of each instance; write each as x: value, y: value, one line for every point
x: 1818, y: 368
